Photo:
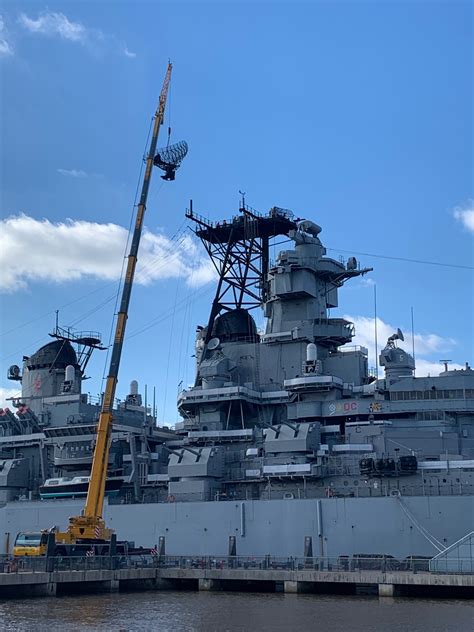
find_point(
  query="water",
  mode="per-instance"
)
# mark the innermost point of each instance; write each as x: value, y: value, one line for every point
x: 235, y: 612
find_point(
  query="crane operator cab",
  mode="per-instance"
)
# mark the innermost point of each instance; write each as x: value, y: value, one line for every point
x: 30, y: 544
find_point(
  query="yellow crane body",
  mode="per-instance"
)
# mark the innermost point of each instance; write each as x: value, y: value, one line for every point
x: 90, y: 525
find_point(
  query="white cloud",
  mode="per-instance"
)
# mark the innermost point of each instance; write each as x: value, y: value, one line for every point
x: 39, y: 250
x: 465, y: 215
x: 73, y: 173
x: 54, y: 24
x: 366, y: 282
x: 6, y: 49
x: 426, y: 345
x: 425, y: 367
x: 5, y: 393
x: 129, y: 53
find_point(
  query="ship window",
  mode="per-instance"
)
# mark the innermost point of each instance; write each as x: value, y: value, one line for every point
x: 428, y: 415
x: 431, y: 394
x: 28, y: 539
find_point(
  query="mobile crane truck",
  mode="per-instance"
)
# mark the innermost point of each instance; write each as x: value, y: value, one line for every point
x: 88, y: 534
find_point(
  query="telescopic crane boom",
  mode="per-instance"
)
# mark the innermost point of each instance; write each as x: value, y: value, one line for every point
x: 91, y: 526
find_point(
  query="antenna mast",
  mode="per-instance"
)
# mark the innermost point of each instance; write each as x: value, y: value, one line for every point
x: 375, y: 333
x: 413, y: 341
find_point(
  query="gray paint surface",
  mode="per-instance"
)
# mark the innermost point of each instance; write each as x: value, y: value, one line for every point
x: 273, y: 527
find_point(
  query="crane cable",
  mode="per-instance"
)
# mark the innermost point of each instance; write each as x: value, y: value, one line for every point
x: 132, y: 216
x: 169, y: 116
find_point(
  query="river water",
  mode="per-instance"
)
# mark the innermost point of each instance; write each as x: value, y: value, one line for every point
x: 235, y: 612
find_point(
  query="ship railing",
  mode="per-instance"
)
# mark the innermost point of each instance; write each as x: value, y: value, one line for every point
x: 353, y: 349
x: 344, y: 563
x: 333, y: 492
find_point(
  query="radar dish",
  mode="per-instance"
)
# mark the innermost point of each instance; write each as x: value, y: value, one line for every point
x: 400, y: 335
x: 170, y: 158
x: 352, y: 263
x: 213, y: 344
x: 14, y: 373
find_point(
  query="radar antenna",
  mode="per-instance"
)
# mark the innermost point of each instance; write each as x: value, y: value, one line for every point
x: 170, y: 158
x: 398, y: 336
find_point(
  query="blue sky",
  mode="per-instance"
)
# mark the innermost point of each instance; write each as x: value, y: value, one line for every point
x: 357, y: 115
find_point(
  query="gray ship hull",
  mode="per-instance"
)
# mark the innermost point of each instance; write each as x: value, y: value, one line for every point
x: 338, y: 526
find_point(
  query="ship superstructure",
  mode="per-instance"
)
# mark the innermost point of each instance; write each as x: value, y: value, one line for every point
x: 294, y: 411
x: 49, y: 431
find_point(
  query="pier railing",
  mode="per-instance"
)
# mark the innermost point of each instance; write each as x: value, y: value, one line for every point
x: 355, y: 563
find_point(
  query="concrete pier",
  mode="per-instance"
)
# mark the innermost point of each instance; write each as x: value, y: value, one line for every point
x: 114, y: 585
x: 209, y: 584
x: 387, y: 590
x: 209, y: 574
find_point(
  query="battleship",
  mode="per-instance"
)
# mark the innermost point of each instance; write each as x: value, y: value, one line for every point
x: 288, y: 443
